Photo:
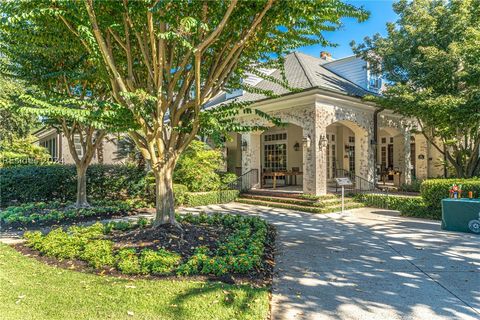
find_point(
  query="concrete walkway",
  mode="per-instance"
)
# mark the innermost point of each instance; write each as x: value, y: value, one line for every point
x: 366, y: 264
x: 369, y: 264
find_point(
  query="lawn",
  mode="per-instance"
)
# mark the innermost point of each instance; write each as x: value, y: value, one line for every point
x: 32, y: 290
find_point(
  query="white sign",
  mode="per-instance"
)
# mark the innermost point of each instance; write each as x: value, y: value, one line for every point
x: 343, y: 181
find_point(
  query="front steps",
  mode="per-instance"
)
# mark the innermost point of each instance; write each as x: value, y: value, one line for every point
x: 325, y: 204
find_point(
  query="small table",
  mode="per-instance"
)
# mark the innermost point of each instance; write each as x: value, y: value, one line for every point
x: 461, y: 215
x: 275, y: 174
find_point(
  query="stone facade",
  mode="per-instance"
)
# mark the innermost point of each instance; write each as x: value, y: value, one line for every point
x: 315, y: 116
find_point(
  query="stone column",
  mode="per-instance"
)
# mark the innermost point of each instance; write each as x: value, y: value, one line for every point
x: 251, y: 154
x: 407, y: 164
x: 314, y: 160
x: 365, y: 153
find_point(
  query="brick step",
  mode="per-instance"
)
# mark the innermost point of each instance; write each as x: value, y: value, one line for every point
x: 298, y: 201
x: 311, y: 209
x: 280, y: 194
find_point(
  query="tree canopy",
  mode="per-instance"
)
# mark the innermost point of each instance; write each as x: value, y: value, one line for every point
x: 430, y: 59
x: 164, y: 60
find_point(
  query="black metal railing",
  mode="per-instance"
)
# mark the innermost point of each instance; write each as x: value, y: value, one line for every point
x: 245, y: 182
x: 359, y: 184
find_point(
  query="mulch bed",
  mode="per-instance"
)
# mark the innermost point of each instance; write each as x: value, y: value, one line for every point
x: 171, y: 239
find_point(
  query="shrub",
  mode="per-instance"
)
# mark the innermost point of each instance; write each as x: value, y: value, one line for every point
x: 128, y: 262
x: 194, y: 199
x: 412, y: 187
x: 407, y: 205
x: 158, y: 262
x: 434, y: 190
x: 227, y: 178
x: 58, y: 182
x: 180, y: 192
x: 98, y: 253
x: 47, y: 213
x: 197, y: 168
x: 57, y: 243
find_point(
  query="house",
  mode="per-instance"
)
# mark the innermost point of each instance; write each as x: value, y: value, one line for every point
x: 330, y: 131
x: 57, y: 145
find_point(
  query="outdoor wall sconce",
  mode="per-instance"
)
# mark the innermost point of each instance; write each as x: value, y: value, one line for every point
x: 296, y: 146
x: 323, y: 142
x: 306, y: 142
x: 421, y: 157
x: 244, y: 145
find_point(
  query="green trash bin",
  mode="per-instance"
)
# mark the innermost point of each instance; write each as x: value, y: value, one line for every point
x: 461, y: 215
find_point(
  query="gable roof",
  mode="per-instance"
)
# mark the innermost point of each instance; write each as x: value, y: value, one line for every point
x: 305, y: 72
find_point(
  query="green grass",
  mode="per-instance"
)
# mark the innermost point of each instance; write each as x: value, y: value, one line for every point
x: 32, y: 290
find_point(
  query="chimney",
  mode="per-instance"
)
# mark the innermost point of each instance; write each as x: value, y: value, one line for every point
x: 325, y: 55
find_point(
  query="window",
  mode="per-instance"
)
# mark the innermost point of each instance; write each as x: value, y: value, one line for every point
x: 275, y: 157
x: 384, y: 140
x: 78, y: 146
x: 351, y: 139
x: 351, y: 158
x: 275, y: 136
x: 51, y: 146
x: 384, y: 157
x: 275, y: 151
x: 375, y: 82
x: 391, y: 139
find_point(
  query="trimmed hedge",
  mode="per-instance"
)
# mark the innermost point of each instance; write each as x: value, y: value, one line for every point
x: 407, y: 205
x: 59, y: 183
x: 194, y: 199
x: 434, y: 190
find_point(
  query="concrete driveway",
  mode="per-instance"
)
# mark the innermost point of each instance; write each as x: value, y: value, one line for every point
x: 369, y: 264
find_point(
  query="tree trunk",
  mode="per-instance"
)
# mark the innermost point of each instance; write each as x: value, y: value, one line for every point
x: 164, y: 198
x: 82, y: 187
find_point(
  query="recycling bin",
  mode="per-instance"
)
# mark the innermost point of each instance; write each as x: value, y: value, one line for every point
x: 461, y: 215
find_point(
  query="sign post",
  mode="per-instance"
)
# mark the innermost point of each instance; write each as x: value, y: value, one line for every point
x: 343, y: 182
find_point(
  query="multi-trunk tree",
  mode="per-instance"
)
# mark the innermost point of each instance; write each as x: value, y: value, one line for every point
x: 430, y: 58
x: 65, y: 90
x: 165, y: 59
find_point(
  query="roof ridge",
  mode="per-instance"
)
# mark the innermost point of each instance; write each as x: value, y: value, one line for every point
x: 303, y: 69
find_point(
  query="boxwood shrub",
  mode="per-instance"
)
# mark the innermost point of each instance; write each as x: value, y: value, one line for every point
x: 408, y: 205
x: 194, y: 199
x: 434, y: 190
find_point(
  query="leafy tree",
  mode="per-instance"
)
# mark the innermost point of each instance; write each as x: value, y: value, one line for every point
x: 22, y: 151
x: 197, y: 167
x: 430, y: 58
x: 68, y: 92
x: 164, y: 60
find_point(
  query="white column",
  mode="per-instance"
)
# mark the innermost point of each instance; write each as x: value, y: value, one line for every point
x: 251, y: 153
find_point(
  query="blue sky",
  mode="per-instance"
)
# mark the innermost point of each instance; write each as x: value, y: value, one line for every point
x: 380, y: 13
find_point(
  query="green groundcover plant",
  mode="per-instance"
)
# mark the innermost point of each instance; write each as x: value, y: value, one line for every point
x: 240, y: 252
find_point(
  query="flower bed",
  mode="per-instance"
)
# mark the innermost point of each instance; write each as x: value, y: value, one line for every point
x: 44, y: 214
x: 218, y: 244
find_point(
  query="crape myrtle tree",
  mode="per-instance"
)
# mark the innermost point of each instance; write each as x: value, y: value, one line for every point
x: 164, y: 60
x: 431, y: 61
x: 66, y: 90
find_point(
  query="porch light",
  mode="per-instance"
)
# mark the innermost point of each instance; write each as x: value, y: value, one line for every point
x: 296, y: 146
x: 306, y: 142
x: 244, y: 145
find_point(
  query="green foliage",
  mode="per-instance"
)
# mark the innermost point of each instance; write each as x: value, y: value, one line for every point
x: 180, y: 192
x: 158, y: 262
x: 241, y: 252
x: 414, y: 186
x: 98, y: 253
x: 195, y: 199
x: 58, y: 182
x: 430, y: 59
x: 21, y: 152
x: 128, y: 262
x: 434, y: 190
x: 41, y: 213
x: 197, y: 168
x: 408, y: 206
